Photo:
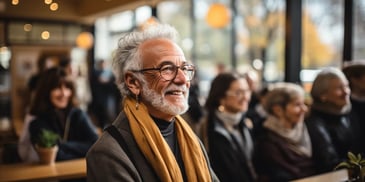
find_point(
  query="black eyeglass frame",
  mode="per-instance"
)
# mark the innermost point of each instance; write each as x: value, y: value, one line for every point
x: 189, y: 67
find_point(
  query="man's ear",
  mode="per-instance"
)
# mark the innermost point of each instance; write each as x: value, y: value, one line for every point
x: 132, y: 83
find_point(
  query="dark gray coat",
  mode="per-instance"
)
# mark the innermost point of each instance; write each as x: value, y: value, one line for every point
x: 107, y: 161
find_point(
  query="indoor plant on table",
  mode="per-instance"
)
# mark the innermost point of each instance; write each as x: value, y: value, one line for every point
x: 355, y: 165
x: 46, y: 146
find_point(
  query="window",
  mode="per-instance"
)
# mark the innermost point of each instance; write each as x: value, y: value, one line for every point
x: 322, y: 33
x: 359, y: 31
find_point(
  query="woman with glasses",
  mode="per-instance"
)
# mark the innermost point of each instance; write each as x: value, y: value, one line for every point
x: 149, y: 140
x: 226, y: 131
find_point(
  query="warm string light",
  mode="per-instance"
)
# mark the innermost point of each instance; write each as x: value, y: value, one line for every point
x: 45, y: 35
x: 15, y: 2
x: 53, y: 7
x: 47, y: 1
x: 218, y: 15
x: 28, y: 27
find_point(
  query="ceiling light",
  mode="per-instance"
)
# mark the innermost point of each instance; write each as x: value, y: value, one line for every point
x: 53, y: 7
x: 47, y: 1
x: 45, y: 35
x: 85, y: 40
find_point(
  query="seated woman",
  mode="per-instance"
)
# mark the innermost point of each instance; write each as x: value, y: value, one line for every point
x: 228, y: 138
x: 329, y: 122
x: 54, y: 108
x: 284, y: 150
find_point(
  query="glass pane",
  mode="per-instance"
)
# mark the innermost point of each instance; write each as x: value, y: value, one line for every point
x: 322, y: 37
x: 177, y: 14
x: 121, y: 21
x: 42, y: 33
x: 17, y: 34
x: 142, y: 14
x: 359, y: 30
x: 212, y: 40
x: 322, y: 33
x: 38, y: 33
x: 71, y: 33
x: 5, y: 82
x: 260, y: 31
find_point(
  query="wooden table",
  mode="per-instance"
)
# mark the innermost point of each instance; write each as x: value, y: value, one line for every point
x: 334, y: 176
x: 36, y: 172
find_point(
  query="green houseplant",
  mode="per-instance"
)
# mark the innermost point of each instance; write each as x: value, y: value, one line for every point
x: 46, y: 146
x: 355, y: 165
x: 47, y: 139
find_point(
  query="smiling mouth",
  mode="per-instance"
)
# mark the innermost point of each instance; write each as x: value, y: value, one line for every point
x: 175, y: 92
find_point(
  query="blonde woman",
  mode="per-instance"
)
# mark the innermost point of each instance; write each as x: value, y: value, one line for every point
x: 284, y: 150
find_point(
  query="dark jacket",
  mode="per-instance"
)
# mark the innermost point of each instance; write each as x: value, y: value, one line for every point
x: 357, y: 117
x: 82, y: 133
x: 275, y: 161
x: 108, y: 161
x: 331, y: 136
x: 228, y: 162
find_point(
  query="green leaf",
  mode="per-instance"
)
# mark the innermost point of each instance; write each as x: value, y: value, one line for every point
x: 351, y: 156
x: 343, y: 165
x: 47, y: 138
x: 354, y: 162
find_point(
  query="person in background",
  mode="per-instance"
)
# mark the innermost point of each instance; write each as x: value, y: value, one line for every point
x: 355, y: 73
x: 284, y: 150
x: 149, y: 140
x: 43, y: 63
x: 328, y: 122
x: 254, y: 83
x: 257, y: 113
x: 220, y: 68
x: 105, y: 93
x: 66, y: 63
x: 54, y: 108
x: 226, y: 131
x: 25, y: 149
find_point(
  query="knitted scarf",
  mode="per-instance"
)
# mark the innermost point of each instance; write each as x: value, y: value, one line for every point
x: 157, y: 151
x: 298, y: 137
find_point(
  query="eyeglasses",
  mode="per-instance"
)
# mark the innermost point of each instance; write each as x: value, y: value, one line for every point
x: 169, y: 71
x: 238, y: 93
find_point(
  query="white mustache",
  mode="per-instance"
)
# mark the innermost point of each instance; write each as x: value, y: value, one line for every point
x: 181, y: 88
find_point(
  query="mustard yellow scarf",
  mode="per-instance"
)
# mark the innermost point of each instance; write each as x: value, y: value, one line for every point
x: 157, y: 151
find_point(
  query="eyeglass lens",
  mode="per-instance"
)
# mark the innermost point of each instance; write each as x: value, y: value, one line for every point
x: 237, y: 93
x: 169, y: 72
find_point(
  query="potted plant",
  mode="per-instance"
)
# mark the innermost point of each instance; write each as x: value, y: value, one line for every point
x: 355, y: 165
x: 46, y: 146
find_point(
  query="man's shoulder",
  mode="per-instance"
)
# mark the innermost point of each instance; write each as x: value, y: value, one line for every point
x: 106, y: 141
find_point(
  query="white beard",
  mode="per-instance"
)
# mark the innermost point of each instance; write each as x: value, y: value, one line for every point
x: 157, y: 101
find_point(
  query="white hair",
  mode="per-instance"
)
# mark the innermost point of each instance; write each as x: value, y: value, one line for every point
x: 128, y: 55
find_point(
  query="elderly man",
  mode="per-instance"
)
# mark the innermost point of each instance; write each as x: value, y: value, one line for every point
x: 355, y: 73
x: 149, y: 141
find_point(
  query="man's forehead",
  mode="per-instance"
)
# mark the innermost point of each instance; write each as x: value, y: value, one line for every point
x: 157, y: 50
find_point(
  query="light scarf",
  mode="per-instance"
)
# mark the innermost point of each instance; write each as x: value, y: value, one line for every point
x: 229, y: 120
x: 298, y: 137
x: 158, y: 153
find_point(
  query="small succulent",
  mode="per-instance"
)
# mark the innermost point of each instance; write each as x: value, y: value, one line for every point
x: 354, y: 164
x: 47, y: 138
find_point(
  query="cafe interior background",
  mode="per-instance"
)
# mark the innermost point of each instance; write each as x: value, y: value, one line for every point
x: 281, y: 40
